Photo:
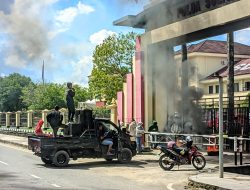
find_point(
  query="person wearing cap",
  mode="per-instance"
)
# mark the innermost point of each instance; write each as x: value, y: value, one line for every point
x: 139, y: 133
x: 70, y: 101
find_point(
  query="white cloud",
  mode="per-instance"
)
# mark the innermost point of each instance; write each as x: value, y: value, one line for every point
x: 243, y: 36
x: 2, y: 75
x: 81, y: 69
x: 65, y: 17
x: 98, y: 37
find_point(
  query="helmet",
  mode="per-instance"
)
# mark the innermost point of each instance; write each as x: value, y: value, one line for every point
x: 188, y: 139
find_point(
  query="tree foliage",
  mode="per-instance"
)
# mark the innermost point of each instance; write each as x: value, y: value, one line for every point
x: 20, y: 93
x: 39, y: 97
x: 112, y: 61
x: 11, y: 92
x: 49, y: 95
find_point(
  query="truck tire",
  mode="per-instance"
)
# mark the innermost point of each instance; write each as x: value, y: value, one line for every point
x: 125, y: 156
x: 46, y: 161
x: 61, y: 158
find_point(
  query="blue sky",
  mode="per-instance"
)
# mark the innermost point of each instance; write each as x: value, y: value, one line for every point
x: 63, y: 33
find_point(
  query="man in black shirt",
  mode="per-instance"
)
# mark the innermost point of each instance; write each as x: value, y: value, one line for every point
x: 55, y: 118
x: 70, y: 101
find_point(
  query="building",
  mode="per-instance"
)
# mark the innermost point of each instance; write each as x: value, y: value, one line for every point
x: 169, y: 23
x: 204, y: 59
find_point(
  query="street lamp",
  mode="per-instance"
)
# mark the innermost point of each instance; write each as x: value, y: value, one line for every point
x: 220, y: 123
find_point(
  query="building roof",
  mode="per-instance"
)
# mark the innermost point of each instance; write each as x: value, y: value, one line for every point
x: 240, y: 68
x: 220, y: 47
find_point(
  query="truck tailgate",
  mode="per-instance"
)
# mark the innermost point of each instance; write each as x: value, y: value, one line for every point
x: 34, y: 144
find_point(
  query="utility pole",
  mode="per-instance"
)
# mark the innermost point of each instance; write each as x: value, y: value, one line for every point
x: 221, y: 169
x: 230, y: 89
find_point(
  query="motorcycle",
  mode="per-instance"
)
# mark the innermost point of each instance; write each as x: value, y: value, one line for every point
x: 191, y: 156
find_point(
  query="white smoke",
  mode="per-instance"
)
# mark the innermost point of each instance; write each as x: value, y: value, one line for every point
x: 25, y: 30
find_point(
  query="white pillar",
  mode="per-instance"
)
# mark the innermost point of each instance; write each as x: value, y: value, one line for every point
x: 63, y: 112
x: 18, y: 119
x: 8, y: 119
x: 44, y: 118
x: 30, y: 118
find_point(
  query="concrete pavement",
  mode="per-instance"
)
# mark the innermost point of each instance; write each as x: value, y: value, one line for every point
x: 209, y: 179
x: 15, y: 140
x: 212, y: 181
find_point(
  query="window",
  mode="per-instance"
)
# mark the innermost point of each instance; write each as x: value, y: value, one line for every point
x: 109, y: 126
x: 247, y: 86
x: 210, y: 89
x: 236, y: 87
x: 217, y: 89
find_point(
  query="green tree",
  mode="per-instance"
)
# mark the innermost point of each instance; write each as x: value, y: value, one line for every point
x: 44, y: 96
x: 112, y: 61
x: 50, y: 94
x: 11, y: 92
x: 81, y: 94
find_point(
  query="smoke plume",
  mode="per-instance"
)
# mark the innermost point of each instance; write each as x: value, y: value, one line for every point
x: 163, y: 71
x: 26, y: 33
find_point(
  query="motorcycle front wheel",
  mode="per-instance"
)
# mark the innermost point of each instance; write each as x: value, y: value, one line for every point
x: 165, y: 162
x: 199, y: 162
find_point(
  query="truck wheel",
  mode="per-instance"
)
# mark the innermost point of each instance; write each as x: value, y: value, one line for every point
x: 125, y: 156
x: 61, y: 158
x: 46, y: 161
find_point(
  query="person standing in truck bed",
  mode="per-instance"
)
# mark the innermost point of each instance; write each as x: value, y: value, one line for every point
x: 70, y: 101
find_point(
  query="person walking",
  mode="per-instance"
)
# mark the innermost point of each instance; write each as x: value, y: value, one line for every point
x: 139, y: 132
x: 132, y: 129
x: 70, y: 102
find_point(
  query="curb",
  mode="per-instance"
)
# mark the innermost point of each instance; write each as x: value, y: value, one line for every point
x: 14, y: 143
x: 196, y: 184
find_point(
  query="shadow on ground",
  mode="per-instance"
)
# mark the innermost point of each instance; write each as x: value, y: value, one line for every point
x: 97, y: 164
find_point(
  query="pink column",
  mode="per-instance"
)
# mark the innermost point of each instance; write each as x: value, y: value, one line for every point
x: 120, y: 104
x: 129, y: 116
x: 139, y: 83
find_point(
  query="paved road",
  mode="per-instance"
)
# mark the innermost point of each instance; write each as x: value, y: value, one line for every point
x: 19, y: 169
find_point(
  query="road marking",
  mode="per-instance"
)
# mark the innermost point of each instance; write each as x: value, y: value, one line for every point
x: 35, y: 176
x: 4, y: 163
x: 169, y: 186
x: 55, y: 185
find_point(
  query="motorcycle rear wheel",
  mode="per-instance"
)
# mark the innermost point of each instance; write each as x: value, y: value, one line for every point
x: 165, y: 162
x: 199, y: 162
